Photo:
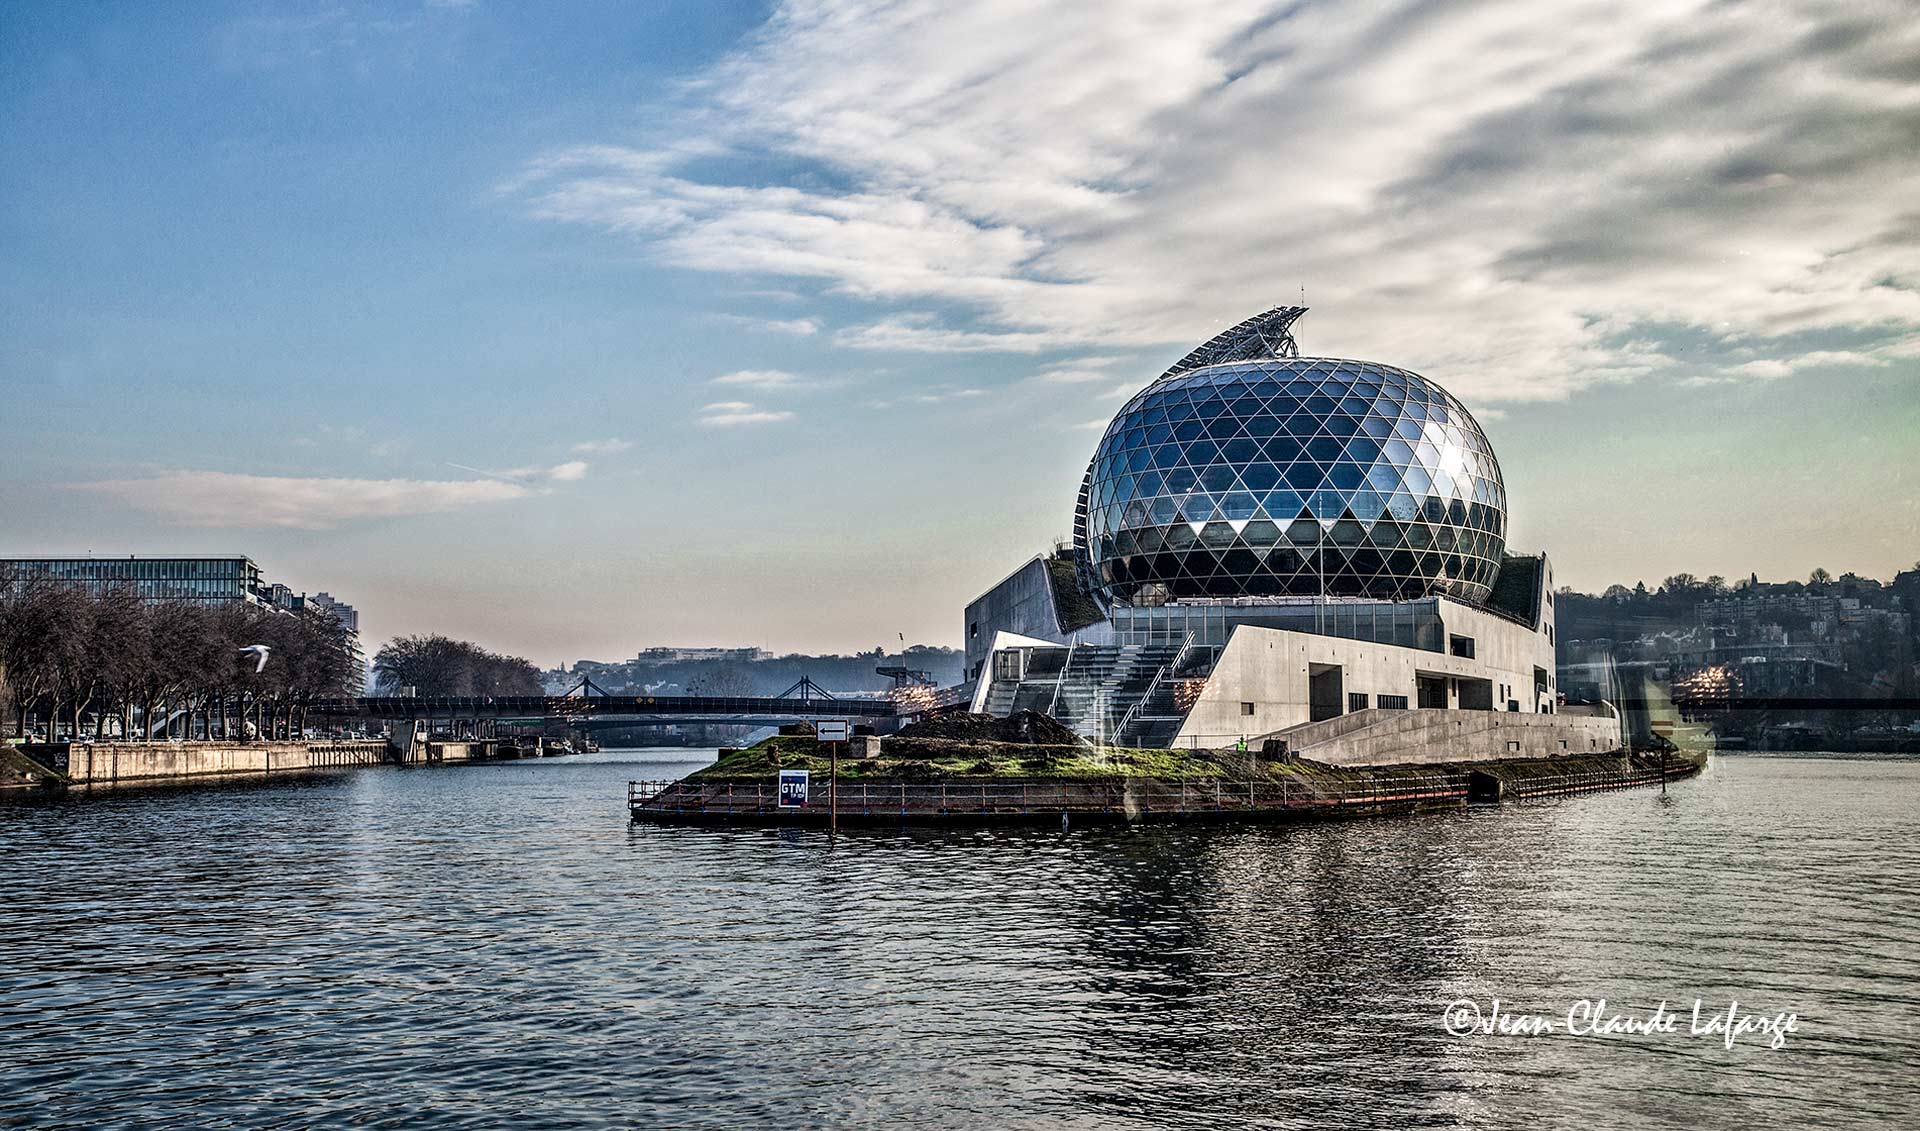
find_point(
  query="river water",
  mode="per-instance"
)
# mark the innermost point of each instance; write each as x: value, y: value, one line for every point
x: 495, y: 945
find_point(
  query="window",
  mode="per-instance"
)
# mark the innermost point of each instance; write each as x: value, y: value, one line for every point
x: 1392, y: 702
x: 973, y: 630
x: 1246, y: 708
x: 1356, y: 700
x: 1461, y: 646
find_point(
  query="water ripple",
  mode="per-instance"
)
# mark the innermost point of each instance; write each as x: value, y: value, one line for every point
x: 482, y: 946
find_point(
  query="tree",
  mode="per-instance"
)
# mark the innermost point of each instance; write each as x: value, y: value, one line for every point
x: 1679, y: 583
x: 119, y: 651
x: 66, y: 648
x: 1819, y: 577
x: 439, y: 666
x: 67, y: 655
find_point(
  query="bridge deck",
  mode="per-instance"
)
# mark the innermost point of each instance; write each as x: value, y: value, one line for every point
x: 562, y: 706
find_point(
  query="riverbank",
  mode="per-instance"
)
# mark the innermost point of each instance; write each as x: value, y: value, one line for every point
x: 932, y: 781
x: 106, y: 765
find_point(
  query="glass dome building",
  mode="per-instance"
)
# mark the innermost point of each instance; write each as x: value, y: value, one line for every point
x: 1248, y: 471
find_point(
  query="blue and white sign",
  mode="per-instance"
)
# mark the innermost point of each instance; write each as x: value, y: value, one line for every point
x: 793, y: 789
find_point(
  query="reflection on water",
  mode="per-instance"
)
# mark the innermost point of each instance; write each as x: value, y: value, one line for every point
x: 495, y: 944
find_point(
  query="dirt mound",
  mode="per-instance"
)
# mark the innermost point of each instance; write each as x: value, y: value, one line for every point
x: 1025, y: 728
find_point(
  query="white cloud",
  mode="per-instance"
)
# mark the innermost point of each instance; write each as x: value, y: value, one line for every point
x: 918, y: 333
x: 800, y: 327
x: 1773, y: 369
x: 767, y: 379
x: 223, y: 499
x: 568, y: 472
x: 729, y: 414
x: 1521, y: 200
x: 1080, y: 372
x: 940, y: 394
x: 608, y: 447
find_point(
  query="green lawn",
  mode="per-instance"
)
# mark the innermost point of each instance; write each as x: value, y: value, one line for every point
x: 930, y: 759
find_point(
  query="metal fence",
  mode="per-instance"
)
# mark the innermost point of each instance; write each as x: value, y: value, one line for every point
x: 1002, y: 797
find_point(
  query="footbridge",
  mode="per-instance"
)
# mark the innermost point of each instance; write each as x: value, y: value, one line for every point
x: 595, y: 710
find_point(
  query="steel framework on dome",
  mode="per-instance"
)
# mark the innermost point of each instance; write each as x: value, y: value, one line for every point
x: 1247, y: 471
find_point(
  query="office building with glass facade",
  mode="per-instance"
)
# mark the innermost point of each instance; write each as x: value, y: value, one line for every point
x: 209, y: 579
x: 213, y: 579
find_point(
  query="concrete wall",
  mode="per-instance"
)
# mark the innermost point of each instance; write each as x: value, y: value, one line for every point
x: 1509, y: 652
x: 1269, y: 670
x: 1401, y: 738
x: 1020, y: 604
x: 107, y: 763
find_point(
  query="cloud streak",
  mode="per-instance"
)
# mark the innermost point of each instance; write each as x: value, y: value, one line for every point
x: 768, y: 380
x: 224, y: 499
x: 607, y: 447
x: 1600, y: 182
x: 733, y: 414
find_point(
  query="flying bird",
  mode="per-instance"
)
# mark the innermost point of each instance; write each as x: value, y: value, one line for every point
x: 260, y: 651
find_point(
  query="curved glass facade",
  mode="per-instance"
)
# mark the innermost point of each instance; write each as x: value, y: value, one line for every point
x: 1293, y: 477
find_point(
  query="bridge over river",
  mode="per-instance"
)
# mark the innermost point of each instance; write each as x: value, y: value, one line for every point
x: 599, y: 712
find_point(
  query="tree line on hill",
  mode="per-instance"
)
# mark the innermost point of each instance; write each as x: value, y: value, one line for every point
x: 1622, y: 612
x: 113, y: 664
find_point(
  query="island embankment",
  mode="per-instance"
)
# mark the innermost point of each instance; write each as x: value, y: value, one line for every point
x: 915, y: 780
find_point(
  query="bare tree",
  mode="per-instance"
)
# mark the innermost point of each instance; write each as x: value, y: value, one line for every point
x: 437, y: 665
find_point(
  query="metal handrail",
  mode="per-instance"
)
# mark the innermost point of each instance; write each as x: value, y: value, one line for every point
x: 1061, y: 681
x: 960, y: 796
x: 1153, y: 685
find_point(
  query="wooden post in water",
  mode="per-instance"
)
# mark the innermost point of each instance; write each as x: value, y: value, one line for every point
x: 833, y: 788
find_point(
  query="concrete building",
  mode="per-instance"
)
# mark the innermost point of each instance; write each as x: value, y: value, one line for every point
x: 1265, y: 543
x: 348, y: 618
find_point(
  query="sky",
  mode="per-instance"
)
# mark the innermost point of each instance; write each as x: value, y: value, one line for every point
x: 576, y: 329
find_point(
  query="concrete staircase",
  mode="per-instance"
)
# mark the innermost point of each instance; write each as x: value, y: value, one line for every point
x: 1118, y: 694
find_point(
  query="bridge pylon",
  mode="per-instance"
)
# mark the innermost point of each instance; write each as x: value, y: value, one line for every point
x: 808, y: 691
x: 585, y: 689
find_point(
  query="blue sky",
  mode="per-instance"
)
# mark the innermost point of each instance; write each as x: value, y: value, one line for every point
x: 578, y: 329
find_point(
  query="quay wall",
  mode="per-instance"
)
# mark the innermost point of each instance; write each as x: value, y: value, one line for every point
x: 1425, y: 737
x: 114, y: 763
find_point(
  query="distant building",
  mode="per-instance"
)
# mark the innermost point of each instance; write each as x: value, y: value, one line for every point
x: 348, y: 618
x: 347, y: 615
x: 699, y: 655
